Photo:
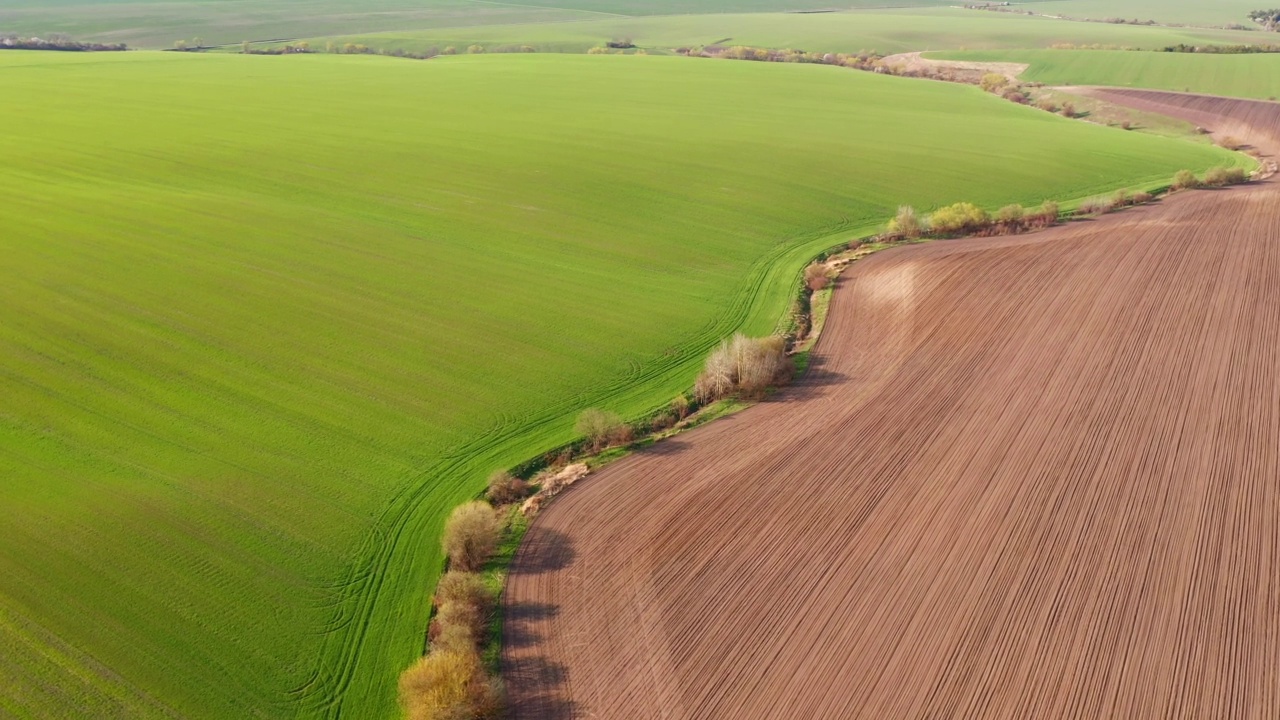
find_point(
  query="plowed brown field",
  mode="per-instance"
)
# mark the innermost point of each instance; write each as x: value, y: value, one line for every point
x: 1031, y: 477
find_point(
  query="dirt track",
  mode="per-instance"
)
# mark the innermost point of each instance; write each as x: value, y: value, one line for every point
x: 1035, y: 477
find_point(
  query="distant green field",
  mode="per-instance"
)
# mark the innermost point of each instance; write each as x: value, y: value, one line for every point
x: 1193, y: 12
x: 1249, y: 76
x: 158, y: 23
x: 267, y: 319
x: 887, y: 31
x: 567, y: 24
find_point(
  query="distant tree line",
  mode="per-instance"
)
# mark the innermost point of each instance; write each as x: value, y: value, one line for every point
x: 1221, y: 49
x: 1268, y: 19
x: 57, y: 42
x: 304, y: 48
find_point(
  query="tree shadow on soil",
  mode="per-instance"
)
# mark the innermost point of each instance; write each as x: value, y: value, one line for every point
x: 546, y: 550
x: 537, y: 687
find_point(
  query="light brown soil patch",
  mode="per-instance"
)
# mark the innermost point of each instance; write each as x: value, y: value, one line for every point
x: 964, y: 70
x: 1027, y: 477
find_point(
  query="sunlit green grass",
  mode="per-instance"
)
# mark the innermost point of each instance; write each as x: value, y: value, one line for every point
x: 886, y: 31
x: 267, y: 319
x: 1250, y: 76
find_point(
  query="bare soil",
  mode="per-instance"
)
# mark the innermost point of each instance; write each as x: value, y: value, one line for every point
x: 1026, y: 477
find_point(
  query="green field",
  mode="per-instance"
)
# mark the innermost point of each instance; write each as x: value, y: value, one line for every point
x: 886, y: 31
x: 158, y: 23
x: 267, y: 319
x: 1190, y: 12
x: 1248, y: 76
x: 574, y: 25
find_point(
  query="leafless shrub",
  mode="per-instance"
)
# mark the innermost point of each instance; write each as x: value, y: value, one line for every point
x: 1045, y: 216
x: 465, y: 621
x: 906, y: 223
x: 449, y: 685
x: 743, y: 365
x: 598, y: 427
x: 1068, y: 110
x: 1221, y: 177
x: 470, y: 535
x: 817, y: 276
x: 1185, y: 180
x: 1014, y: 94
x: 1141, y: 197
x: 1229, y: 142
x: 1010, y: 215
x: 466, y: 588
x: 662, y: 421
x: 505, y: 488
x: 621, y: 434
x: 1121, y: 198
x: 1095, y: 206
x: 1047, y: 105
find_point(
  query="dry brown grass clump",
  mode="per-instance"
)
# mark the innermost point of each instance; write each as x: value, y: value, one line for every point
x: 505, y: 488
x: 743, y: 365
x: 470, y: 535
x: 1095, y: 206
x: 449, y: 685
x: 817, y: 276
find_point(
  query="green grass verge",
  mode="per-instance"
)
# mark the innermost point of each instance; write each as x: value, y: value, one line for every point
x: 886, y: 31
x: 1247, y: 76
x: 270, y: 319
x: 1217, y: 13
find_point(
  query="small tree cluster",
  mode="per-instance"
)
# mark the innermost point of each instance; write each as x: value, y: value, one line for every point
x: 743, y: 365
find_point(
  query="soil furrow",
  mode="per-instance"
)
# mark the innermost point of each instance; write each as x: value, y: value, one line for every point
x: 1026, y: 477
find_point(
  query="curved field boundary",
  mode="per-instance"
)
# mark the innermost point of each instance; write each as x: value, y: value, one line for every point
x: 402, y: 524
x: 1027, y: 477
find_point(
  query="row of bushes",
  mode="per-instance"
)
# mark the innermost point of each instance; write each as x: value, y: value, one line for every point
x: 1216, y: 177
x: 58, y: 43
x: 862, y: 60
x: 1222, y: 49
x: 362, y: 49
x: 451, y: 680
x: 968, y: 219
